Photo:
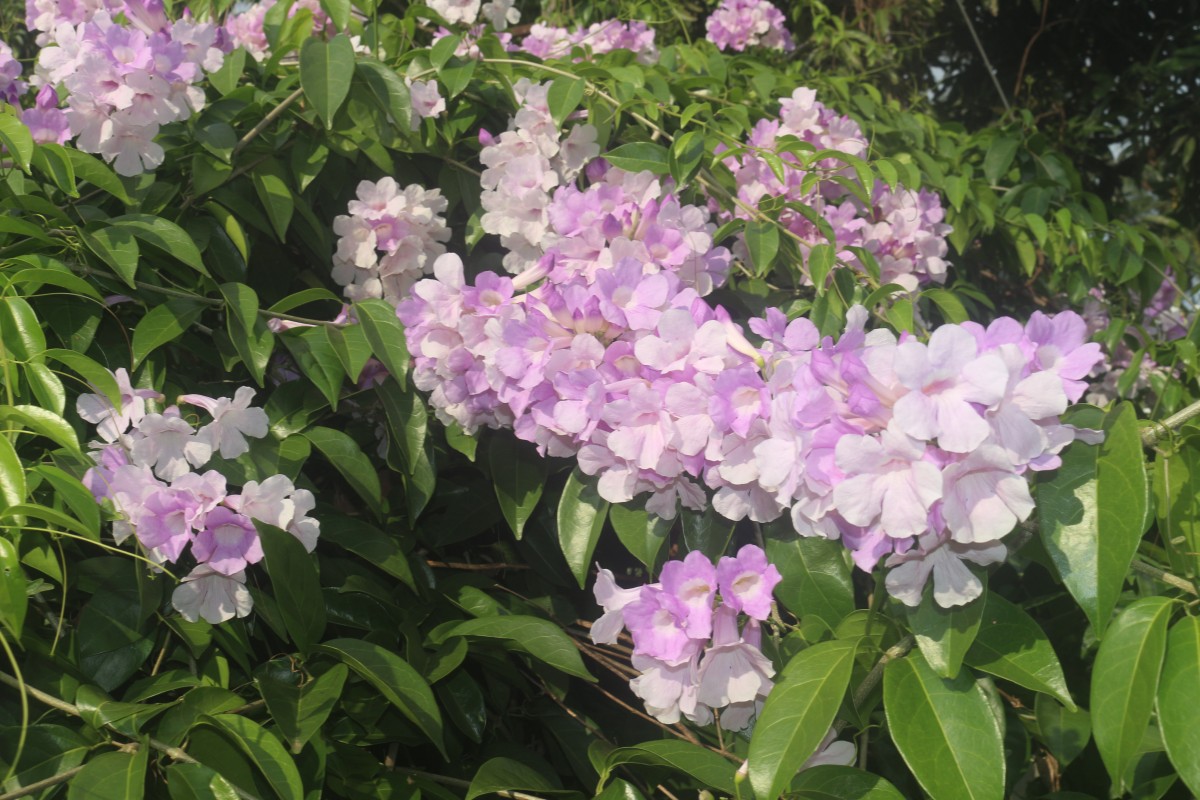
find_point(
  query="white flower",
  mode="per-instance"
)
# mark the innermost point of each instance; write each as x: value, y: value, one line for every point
x: 233, y: 421
x: 168, y: 445
x: 211, y: 596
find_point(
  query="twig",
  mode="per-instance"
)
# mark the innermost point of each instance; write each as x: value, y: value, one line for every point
x: 44, y: 783
x: 271, y: 116
x: 1028, y: 47
x: 170, y: 751
x: 1161, y: 428
x: 473, y: 567
x: 983, y: 54
x: 1151, y: 571
x: 873, y: 677
x: 459, y: 783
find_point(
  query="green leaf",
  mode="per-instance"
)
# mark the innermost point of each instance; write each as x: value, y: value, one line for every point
x: 37, y: 277
x: 816, y: 578
x: 13, y: 600
x: 1125, y: 682
x: 264, y: 750
x: 118, y: 248
x: 581, y: 513
x: 16, y: 139
x: 402, y: 685
x: 1066, y: 733
x: 162, y: 324
x: 52, y: 160
x: 564, y: 96
x: 518, y: 475
x: 316, y: 358
x: 642, y: 533
x: 1178, y: 699
x: 833, y: 782
x: 251, y: 337
x: 797, y: 713
x: 1093, y: 514
x: 508, y: 775
x: 944, y: 634
x: 639, y: 156
x: 389, y: 91
x: 945, y: 730
x: 822, y: 258
x: 198, y: 782
x: 47, y: 387
x: 49, y: 750
x: 300, y: 711
x: 762, y: 243
x: 97, y: 173
x: 538, y: 637
x: 951, y: 307
x: 686, y: 155
x: 709, y: 533
x: 44, y: 423
x: 385, y: 335
x: 20, y: 329
x: 295, y: 584
x: 326, y: 70
x: 346, y: 456
x: 112, y: 776
x: 999, y: 157
x: 165, y: 235
x: 350, y: 345
x: 271, y: 186
x: 98, y: 710
x: 98, y: 377
x: 1010, y: 645
x: 700, y: 763
x: 12, y: 477
x: 373, y: 545
x: 338, y: 11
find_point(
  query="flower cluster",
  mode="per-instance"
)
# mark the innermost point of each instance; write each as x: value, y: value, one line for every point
x: 693, y: 656
x: 738, y: 24
x: 522, y: 166
x: 147, y: 467
x: 125, y: 82
x: 11, y: 85
x: 389, y: 239
x: 901, y: 228
x: 548, y: 41
x: 245, y: 28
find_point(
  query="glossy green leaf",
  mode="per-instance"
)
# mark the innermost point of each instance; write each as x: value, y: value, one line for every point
x: 300, y: 711
x: 165, y: 235
x: 581, y: 514
x: 49, y: 750
x: 700, y: 763
x: 538, y: 637
x: 351, y: 347
x: 508, y: 775
x: 1065, y: 732
x: 687, y: 153
x: 326, y: 71
x: 945, y: 730
x: 13, y: 487
x: 16, y: 139
x: 111, y: 776
x: 47, y: 387
x: 385, y: 335
x: 642, y: 533
x: 339, y: 12
x: 44, y: 423
x: 944, y: 634
x: 797, y: 713
x: 708, y: 532
x: 162, y: 324
x: 22, y: 332
x: 98, y: 709
x: 564, y: 96
x: 317, y: 360
x: 816, y: 578
x: 518, y: 475
x: 251, y: 337
x: 99, y: 378
x: 1179, y: 698
x: 639, y: 156
x: 348, y: 458
x: 1093, y: 513
x: 402, y: 685
x: 1010, y: 645
x: 52, y: 160
x: 264, y: 750
x: 833, y: 782
x: 271, y: 186
x: 374, y: 546
x: 37, y: 278
x: 198, y: 782
x: 97, y: 173
x: 389, y: 91
x: 762, y: 243
x: 1125, y: 682
x: 295, y: 585
x: 13, y: 601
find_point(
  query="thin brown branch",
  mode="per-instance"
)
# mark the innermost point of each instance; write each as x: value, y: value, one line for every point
x: 1028, y: 47
x: 473, y: 567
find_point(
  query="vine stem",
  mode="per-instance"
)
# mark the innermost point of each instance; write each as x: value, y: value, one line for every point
x: 271, y: 116
x: 1151, y: 571
x: 459, y: 783
x: 44, y: 783
x: 1157, y: 430
x: 170, y: 751
x: 869, y: 683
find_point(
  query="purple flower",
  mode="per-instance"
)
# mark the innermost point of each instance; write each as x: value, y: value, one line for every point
x: 232, y: 421
x: 613, y: 599
x: 228, y: 542
x: 984, y: 498
x: 657, y: 622
x: 212, y: 596
x: 693, y: 582
x: 889, y: 483
x: 937, y: 556
x: 748, y: 581
x: 733, y: 669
